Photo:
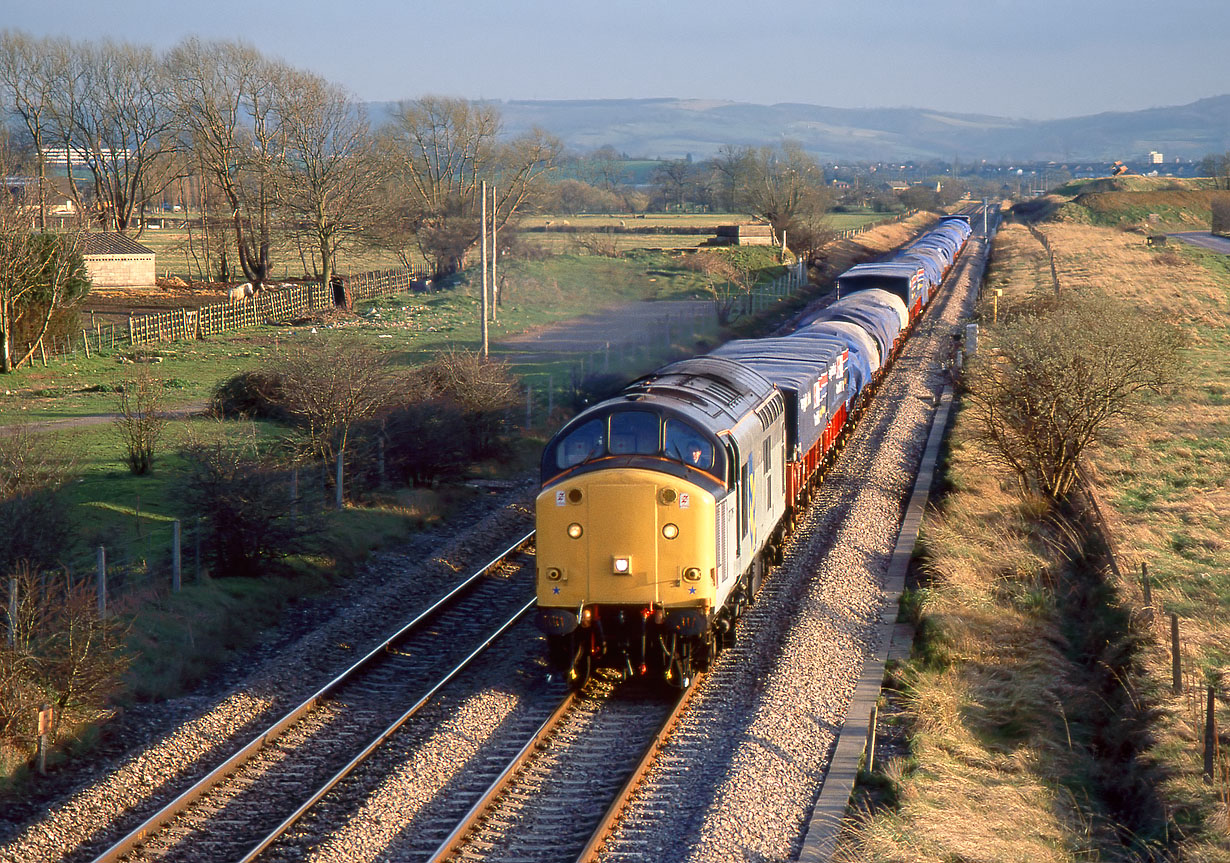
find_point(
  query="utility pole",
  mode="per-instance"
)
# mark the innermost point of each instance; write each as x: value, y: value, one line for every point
x: 483, y: 233
x: 495, y: 254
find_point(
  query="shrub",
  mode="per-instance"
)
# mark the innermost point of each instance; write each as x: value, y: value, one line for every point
x: 60, y: 652
x: 35, y: 516
x: 254, y: 394
x: 243, y: 495
x: 426, y: 442
x: 330, y: 387
x: 484, y: 390
x: 140, y: 422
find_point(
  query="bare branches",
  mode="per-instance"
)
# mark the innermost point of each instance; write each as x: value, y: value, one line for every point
x: 330, y: 167
x: 1057, y: 380
x: 141, y: 421
x: 330, y: 387
x: 440, y: 151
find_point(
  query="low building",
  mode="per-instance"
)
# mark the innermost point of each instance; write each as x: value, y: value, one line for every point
x: 744, y: 235
x: 115, y: 260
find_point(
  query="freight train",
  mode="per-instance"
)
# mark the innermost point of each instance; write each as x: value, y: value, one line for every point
x: 663, y: 508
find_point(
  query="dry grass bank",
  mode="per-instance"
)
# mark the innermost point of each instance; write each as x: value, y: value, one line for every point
x: 996, y: 770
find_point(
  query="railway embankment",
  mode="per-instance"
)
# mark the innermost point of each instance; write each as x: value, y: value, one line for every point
x: 1046, y: 712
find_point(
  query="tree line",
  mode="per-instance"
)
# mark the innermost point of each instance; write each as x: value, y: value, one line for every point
x: 260, y: 149
x: 263, y: 150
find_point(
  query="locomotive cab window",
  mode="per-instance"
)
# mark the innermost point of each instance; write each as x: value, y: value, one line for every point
x: 684, y: 443
x: 635, y: 433
x: 581, y: 444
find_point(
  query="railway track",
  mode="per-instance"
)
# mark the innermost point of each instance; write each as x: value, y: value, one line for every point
x: 560, y: 796
x: 257, y: 794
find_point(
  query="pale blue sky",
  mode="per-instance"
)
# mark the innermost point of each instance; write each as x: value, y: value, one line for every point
x: 1036, y: 59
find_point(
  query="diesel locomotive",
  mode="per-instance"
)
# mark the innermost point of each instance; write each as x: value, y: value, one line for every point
x: 662, y: 508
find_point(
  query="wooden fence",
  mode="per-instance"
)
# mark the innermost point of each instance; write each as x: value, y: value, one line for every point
x: 273, y: 303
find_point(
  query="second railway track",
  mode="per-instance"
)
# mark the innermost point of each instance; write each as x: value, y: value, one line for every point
x: 250, y: 797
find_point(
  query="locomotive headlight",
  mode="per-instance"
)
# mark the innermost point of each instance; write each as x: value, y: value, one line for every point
x: 691, y: 574
x: 621, y: 565
x: 574, y: 530
x: 554, y: 573
x: 670, y: 531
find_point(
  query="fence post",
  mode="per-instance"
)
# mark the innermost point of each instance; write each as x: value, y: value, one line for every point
x: 102, y: 581
x: 1176, y: 663
x: 871, y: 737
x: 339, y: 479
x: 45, y: 715
x: 1210, y: 737
x: 12, y: 611
x: 529, y: 405
x: 1144, y: 581
x: 176, y: 559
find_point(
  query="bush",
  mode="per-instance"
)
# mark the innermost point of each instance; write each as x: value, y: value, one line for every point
x: 482, y: 389
x: 36, y: 520
x: 140, y: 422
x: 255, y: 394
x: 426, y: 442
x: 61, y: 652
x: 243, y: 495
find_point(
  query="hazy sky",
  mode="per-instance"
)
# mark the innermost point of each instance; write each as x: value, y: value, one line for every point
x: 1036, y: 59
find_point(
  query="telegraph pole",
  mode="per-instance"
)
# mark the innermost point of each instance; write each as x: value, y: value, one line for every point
x: 495, y: 254
x: 483, y: 233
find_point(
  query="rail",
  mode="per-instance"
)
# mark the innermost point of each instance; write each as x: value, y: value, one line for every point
x: 273, y: 732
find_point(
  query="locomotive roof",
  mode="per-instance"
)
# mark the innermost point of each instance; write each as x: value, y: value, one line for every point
x: 713, y: 392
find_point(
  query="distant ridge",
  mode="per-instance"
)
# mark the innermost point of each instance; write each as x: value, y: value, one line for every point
x: 673, y: 128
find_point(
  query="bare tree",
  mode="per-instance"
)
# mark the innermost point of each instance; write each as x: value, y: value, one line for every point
x: 27, y: 83
x: 731, y: 167
x: 114, y: 114
x: 1217, y: 166
x: 39, y: 275
x: 1040, y: 397
x: 330, y: 165
x: 729, y: 281
x: 240, y: 488
x: 331, y: 386
x: 227, y: 99
x: 61, y: 651
x: 482, y: 388
x: 140, y: 421
x: 439, y: 151
x: 785, y: 187
x: 673, y: 179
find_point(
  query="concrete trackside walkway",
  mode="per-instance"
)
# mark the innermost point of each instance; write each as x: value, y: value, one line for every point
x: 820, y: 840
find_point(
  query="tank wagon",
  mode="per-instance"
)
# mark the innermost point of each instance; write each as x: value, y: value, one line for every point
x: 662, y: 508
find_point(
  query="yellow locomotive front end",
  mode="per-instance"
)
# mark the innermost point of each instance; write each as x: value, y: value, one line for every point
x: 626, y: 543
x: 626, y: 569
x: 625, y: 537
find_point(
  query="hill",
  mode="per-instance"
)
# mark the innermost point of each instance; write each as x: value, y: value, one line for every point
x: 674, y: 128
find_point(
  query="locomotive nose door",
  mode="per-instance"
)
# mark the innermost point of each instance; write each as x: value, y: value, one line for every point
x: 624, y: 527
